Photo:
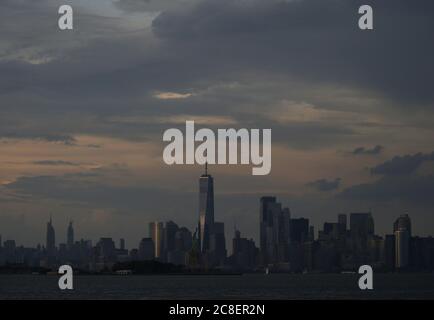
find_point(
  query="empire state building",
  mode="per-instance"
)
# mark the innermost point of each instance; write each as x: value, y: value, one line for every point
x: 206, y: 210
x: 51, y: 238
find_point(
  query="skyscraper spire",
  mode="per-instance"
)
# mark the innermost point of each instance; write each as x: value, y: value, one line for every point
x: 70, y: 235
x: 51, y: 238
x: 206, y: 209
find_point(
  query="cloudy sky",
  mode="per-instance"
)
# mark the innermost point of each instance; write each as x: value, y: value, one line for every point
x: 82, y: 112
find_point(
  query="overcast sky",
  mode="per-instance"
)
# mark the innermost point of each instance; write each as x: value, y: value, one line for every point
x: 82, y: 112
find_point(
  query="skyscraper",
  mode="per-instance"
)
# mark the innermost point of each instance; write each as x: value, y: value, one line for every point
x: 146, y: 249
x: 299, y: 231
x: 180, y: 244
x: 342, y: 221
x: 265, y: 221
x: 183, y: 240
x: 156, y: 234
x: 170, y: 230
x: 361, y: 224
x: 51, y: 238
x: 244, y: 252
x: 70, y: 236
x: 402, y: 223
x: 274, y: 232
x: 284, y: 235
x: 361, y: 234
x: 218, y: 243
x: 311, y: 233
x: 402, y: 239
x: 206, y: 210
x: 402, y: 231
x: 390, y: 251
x: 106, y: 250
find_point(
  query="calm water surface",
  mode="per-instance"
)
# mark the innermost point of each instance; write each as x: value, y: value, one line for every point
x: 252, y: 286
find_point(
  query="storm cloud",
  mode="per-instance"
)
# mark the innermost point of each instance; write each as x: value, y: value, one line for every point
x: 416, y: 190
x: 325, y: 185
x: 368, y: 151
x: 402, y: 165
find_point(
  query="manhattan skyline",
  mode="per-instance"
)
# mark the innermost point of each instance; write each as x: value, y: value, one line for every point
x: 274, y: 220
x: 191, y: 222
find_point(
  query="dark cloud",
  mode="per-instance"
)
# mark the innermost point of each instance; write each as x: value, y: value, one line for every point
x: 56, y: 163
x: 400, y: 181
x: 65, y: 139
x: 402, y: 165
x: 368, y: 151
x: 258, y: 45
x: 94, y: 146
x: 416, y: 190
x: 55, y: 138
x: 313, y: 39
x: 325, y: 185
